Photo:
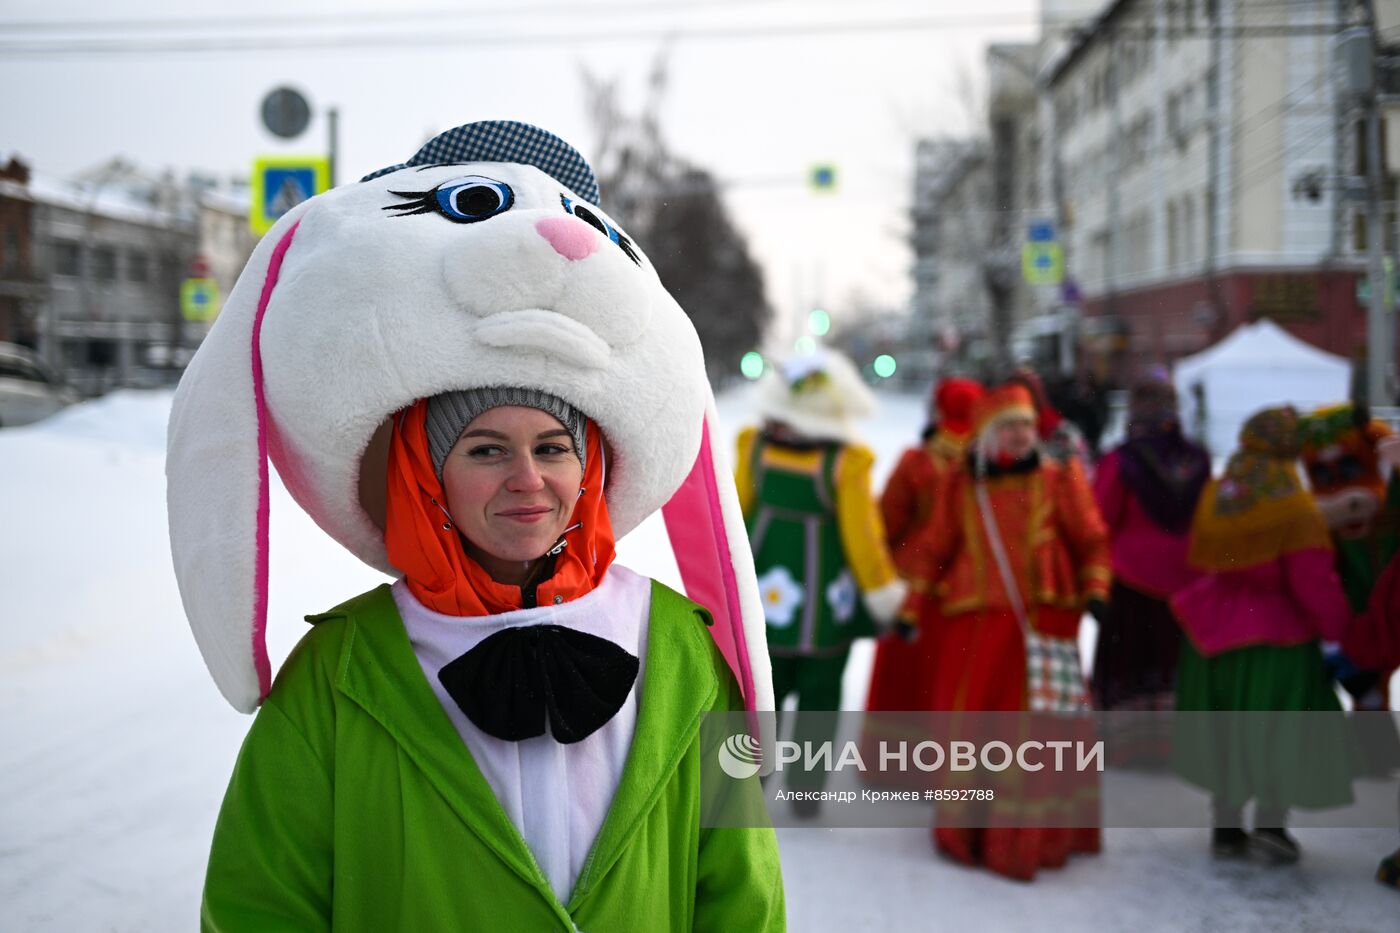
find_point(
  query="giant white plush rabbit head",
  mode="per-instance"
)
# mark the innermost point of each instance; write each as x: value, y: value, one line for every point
x: 482, y: 261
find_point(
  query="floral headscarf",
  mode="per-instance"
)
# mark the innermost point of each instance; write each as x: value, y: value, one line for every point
x: 1258, y: 510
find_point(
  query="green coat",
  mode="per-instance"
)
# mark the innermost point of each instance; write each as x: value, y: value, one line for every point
x: 355, y: 805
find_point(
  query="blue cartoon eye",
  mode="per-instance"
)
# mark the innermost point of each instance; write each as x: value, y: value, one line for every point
x: 462, y: 200
x: 605, y: 228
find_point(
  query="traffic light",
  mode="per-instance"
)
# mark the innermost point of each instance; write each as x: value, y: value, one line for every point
x: 752, y: 365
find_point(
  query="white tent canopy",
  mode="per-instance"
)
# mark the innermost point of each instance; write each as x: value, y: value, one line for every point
x: 1258, y: 366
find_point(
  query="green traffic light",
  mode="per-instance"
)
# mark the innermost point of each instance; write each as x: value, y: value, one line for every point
x: 751, y: 365
x: 884, y: 366
x: 819, y: 322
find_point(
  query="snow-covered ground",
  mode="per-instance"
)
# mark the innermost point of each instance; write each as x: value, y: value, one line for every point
x: 115, y: 747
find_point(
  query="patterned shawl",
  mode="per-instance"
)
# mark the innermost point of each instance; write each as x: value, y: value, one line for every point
x: 1258, y: 510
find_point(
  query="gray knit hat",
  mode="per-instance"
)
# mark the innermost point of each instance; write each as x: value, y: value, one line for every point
x: 451, y: 412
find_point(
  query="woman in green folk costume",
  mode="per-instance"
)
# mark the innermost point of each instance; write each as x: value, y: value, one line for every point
x: 824, y: 573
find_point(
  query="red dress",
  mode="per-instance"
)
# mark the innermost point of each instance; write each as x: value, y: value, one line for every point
x: 1057, y: 546
x: 902, y: 676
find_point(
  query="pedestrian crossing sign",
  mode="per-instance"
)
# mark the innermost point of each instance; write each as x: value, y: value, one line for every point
x: 199, y: 299
x: 280, y: 183
x: 822, y: 178
x: 1042, y: 263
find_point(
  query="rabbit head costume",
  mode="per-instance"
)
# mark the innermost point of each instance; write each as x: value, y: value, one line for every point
x: 483, y: 261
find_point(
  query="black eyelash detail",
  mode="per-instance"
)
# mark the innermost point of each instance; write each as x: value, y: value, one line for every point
x: 622, y: 241
x: 420, y: 203
x: 626, y: 245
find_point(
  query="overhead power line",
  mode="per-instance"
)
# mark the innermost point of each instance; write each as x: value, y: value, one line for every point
x: 462, y: 38
x: 441, y: 14
x: 45, y: 48
x: 377, y: 17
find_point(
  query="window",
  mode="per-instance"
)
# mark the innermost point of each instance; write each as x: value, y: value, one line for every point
x: 67, y: 258
x: 104, y: 264
x: 138, y: 267
x: 1188, y: 229
x: 1137, y: 231
x: 1098, y: 251
x: 1173, y: 235
x: 1137, y: 142
x: 1209, y: 243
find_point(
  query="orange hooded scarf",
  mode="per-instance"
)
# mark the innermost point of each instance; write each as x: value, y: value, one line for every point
x: 427, y: 548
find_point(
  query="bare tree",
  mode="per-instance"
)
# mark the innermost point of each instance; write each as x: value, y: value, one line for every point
x: 674, y: 210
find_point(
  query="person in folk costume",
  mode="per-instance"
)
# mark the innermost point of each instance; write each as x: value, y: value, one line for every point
x: 476, y: 394
x: 1253, y: 625
x: 1343, y: 450
x: 1060, y: 438
x: 1146, y: 490
x: 1372, y: 642
x: 901, y: 677
x: 824, y: 573
x: 1044, y: 521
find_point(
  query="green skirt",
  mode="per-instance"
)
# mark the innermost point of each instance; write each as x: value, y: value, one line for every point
x: 1262, y: 723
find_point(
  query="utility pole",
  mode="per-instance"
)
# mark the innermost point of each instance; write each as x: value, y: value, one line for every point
x: 1114, y: 254
x: 1214, y: 168
x: 1360, y: 51
x: 1377, y: 320
x: 1377, y: 314
x: 332, y: 142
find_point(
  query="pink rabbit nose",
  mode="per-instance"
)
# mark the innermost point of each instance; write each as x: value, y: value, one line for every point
x: 571, y: 238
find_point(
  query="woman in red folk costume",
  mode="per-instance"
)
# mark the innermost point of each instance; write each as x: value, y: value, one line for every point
x: 1014, y: 551
x: 900, y: 679
x: 902, y: 676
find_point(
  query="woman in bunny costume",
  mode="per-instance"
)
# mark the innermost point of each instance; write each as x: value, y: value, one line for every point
x: 473, y: 380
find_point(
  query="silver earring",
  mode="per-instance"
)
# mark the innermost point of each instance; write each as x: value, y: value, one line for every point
x: 447, y: 525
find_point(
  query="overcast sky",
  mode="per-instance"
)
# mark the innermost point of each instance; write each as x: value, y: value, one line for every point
x: 760, y: 90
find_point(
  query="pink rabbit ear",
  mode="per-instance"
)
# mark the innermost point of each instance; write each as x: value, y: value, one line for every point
x: 706, y: 530
x: 217, y: 485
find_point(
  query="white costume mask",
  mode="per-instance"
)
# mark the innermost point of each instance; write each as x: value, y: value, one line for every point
x: 473, y: 265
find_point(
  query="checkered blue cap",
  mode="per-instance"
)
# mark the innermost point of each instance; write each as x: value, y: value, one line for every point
x: 507, y: 141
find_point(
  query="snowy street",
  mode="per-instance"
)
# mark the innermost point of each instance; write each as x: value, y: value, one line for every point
x: 117, y: 747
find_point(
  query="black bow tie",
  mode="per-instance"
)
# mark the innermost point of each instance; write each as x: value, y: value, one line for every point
x: 517, y: 679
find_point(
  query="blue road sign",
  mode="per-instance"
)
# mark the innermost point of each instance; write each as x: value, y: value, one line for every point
x: 280, y: 183
x: 199, y: 299
x: 822, y: 178
x: 1042, y: 263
